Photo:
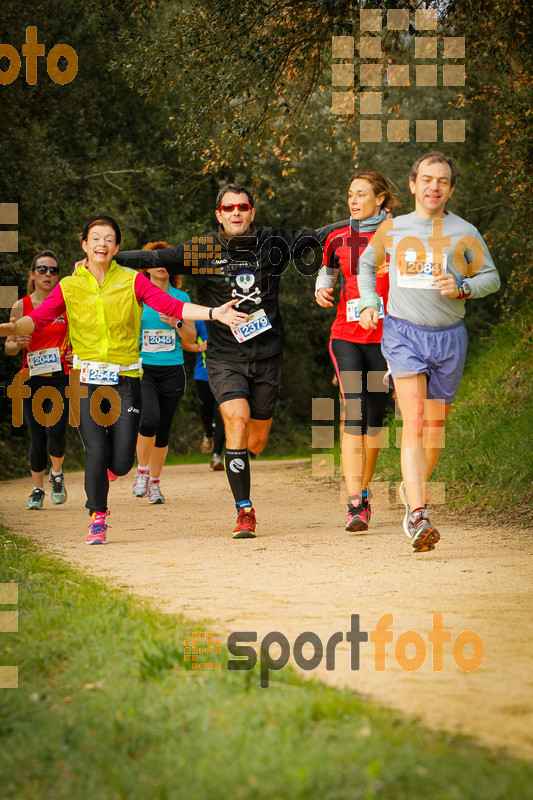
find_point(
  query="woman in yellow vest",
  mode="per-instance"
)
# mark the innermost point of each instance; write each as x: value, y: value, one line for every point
x: 103, y: 304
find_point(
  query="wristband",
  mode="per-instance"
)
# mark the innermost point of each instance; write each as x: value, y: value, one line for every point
x: 369, y: 299
x: 210, y: 313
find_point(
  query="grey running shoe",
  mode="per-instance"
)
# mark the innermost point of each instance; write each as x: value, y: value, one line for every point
x: 59, y: 493
x: 207, y: 444
x: 422, y: 533
x: 216, y: 463
x: 154, y: 492
x: 140, y: 484
x: 403, y: 498
x: 36, y: 499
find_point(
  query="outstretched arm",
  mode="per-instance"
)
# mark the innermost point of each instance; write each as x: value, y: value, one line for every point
x: 224, y: 313
x: 146, y: 292
x: 14, y: 344
x: 17, y: 327
x: 171, y: 258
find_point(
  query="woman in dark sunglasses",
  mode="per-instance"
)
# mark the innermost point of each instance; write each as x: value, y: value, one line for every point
x: 45, y: 354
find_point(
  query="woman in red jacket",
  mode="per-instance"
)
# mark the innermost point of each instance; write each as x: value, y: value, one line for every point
x: 356, y: 352
x: 45, y: 355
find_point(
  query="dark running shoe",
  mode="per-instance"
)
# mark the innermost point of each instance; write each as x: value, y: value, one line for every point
x: 422, y: 533
x: 245, y: 527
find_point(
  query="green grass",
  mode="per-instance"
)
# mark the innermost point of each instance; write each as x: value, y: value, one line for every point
x: 106, y: 708
x: 198, y: 458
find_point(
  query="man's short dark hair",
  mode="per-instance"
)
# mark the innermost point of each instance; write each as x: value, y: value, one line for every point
x: 101, y: 219
x: 434, y: 157
x: 236, y: 188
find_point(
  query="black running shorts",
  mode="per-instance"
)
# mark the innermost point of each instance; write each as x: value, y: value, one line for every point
x: 255, y: 381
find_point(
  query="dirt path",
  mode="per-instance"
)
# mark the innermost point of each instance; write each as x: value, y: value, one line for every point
x: 304, y: 573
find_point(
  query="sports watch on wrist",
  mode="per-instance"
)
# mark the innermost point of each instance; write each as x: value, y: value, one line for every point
x: 464, y: 291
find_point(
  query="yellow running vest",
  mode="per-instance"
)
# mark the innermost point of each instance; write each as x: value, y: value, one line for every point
x: 104, y: 321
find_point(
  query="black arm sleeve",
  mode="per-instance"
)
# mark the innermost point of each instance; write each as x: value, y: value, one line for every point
x: 171, y: 259
x: 323, y: 233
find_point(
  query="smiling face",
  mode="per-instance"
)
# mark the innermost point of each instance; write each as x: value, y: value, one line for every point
x: 363, y: 202
x: 235, y: 222
x: 44, y: 282
x: 432, y: 189
x: 101, y: 245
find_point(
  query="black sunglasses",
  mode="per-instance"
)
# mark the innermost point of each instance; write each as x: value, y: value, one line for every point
x: 42, y: 270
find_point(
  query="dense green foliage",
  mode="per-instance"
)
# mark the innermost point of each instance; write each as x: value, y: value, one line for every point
x: 106, y: 708
x: 173, y: 99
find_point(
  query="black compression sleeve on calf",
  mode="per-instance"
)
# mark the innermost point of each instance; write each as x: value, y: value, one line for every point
x: 238, y: 472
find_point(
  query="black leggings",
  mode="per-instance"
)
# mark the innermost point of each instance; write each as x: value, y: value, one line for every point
x: 111, y: 447
x: 46, y: 438
x: 161, y: 389
x: 209, y: 411
x: 353, y: 362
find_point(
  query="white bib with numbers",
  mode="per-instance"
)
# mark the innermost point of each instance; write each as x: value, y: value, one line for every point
x: 41, y: 361
x: 420, y: 274
x: 257, y: 323
x: 101, y: 374
x: 159, y: 341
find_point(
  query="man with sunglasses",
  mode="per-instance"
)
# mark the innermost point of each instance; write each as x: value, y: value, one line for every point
x: 244, y: 364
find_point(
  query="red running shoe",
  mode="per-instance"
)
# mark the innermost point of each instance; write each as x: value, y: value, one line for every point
x: 111, y: 476
x: 245, y: 527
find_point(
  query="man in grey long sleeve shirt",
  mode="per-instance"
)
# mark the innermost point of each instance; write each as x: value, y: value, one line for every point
x: 437, y: 261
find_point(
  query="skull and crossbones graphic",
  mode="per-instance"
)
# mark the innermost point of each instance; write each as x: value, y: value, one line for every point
x: 245, y: 280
